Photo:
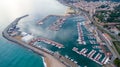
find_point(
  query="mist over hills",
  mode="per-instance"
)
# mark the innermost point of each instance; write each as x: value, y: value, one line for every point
x: 104, y: 0
x: 92, y: 0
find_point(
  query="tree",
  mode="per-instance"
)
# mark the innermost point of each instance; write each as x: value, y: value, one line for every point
x: 119, y: 34
x: 105, y: 26
x: 117, y: 62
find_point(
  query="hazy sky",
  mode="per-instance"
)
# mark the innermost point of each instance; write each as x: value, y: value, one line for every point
x: 10, y: 9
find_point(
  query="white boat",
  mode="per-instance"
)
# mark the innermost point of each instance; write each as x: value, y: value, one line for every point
x: 75, y: 62
x: 66, y: 56
x: 84, y: 42
x: 72, y: 60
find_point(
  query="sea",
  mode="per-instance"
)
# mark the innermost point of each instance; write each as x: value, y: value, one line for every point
x: 12, y: 54
x: 66, y: 35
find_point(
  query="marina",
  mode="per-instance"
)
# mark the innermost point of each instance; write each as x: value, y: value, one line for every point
x: 104, y: 61
x: 90, y: 55
x: 63, y: 40
x: 84, y: 50
x: 80, y: 34
x: 98, y: 56
x: 89, y: 52
x: 46, y: 41
x: 58, y: 24
x: 43, y: 20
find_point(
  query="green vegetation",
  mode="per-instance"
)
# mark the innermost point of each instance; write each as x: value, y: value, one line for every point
x: 117, y: 8
x: 119, y: 34
x: 114, y: 16
x: 109, y: 16
x: 117, y: 46
x: 104, y: 31
x: 101, y: 15
x: 117, y: 62
x: 105, y: 26
x: 118, y: 27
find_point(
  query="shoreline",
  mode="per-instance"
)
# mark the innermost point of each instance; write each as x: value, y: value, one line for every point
x: 40, y: 52
x: 44, y: 62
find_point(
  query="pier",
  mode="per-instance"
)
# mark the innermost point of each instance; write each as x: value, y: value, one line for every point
x: 58, y: 24
x: 46, y: 41
x: 80, y: 34
x: 90, y: 54
x: 42, y: 21
x: 37, y: 49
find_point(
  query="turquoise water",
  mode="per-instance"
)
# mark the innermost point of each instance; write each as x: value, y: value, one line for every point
x: 14, y: 55
x: 67, y: 35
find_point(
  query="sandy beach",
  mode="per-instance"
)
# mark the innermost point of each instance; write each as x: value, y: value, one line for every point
x: 52, y: 62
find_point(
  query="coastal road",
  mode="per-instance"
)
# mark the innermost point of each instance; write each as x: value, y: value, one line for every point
x: 115, y: 55
x: 112, y: 49
x: 58, y: 61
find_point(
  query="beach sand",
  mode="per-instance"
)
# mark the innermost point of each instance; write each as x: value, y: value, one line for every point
x: 52, y: 62
x: 49, y: 59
